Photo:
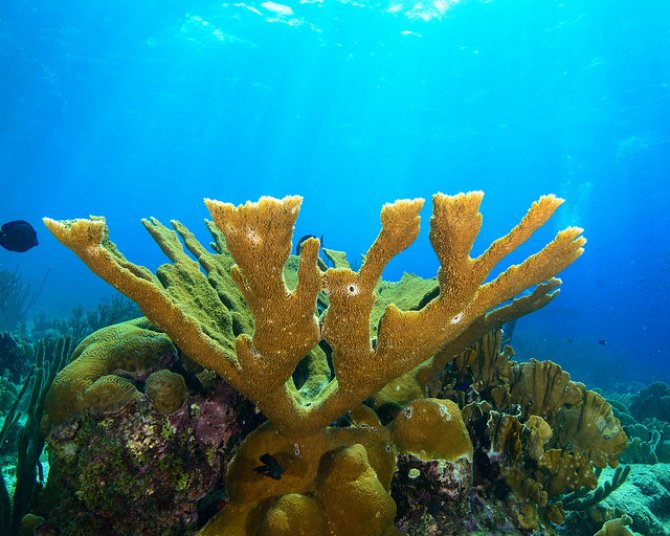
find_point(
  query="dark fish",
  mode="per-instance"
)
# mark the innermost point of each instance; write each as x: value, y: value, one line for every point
x: 18, y: 236
x: 307, y: 236
x: 602, y: 342
x: 270, y: 468
x: 211, y: 504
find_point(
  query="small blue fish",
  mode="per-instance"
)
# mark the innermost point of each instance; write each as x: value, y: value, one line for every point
x: 462, y: 386
x: 18, y: 236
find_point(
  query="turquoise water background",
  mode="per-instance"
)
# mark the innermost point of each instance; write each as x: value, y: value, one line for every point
x: 135, y: 109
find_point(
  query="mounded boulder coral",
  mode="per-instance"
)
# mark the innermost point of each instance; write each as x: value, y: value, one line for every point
x: 166, y: 389
x: 354, y: 499
x: 340, y: 477
x: 432, y: 429
x: 109, y: 394
x: 339, y: 468
x: 293, y: 514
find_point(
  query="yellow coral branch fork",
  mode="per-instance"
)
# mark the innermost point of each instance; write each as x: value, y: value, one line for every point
x: 253, y: 244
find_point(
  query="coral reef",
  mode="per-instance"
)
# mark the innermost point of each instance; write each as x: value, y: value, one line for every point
x: 543, y: 433
x: 314, y: 467
x: 308, y: 345
x: 441, y: 484
x: 639, y: 492
x: 645, y: 418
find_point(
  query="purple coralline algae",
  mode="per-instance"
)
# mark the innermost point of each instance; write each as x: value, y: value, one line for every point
x: 138, y: 471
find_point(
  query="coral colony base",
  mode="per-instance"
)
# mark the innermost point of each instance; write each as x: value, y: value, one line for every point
x: 385, y: 408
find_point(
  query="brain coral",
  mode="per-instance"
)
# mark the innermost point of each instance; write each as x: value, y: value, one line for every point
x: 131, y: 350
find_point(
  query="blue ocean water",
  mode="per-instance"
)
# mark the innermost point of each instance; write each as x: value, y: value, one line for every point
x: 129, y: 110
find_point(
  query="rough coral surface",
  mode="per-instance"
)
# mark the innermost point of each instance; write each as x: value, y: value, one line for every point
x: 432, y: 429
x: 346, y: 473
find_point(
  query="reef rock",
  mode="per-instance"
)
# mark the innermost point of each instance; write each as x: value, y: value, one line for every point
x: 140, y: 471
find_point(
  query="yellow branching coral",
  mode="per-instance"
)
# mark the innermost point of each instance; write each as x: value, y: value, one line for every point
x: 480, y: 342
x: 258, y: 355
